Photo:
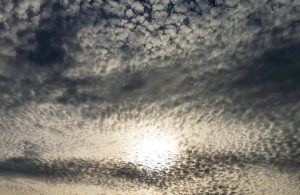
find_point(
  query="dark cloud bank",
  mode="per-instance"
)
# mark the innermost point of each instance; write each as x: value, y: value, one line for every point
x: 86, y: 61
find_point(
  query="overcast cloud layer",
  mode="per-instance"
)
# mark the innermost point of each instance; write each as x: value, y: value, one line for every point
x: 81, y: 82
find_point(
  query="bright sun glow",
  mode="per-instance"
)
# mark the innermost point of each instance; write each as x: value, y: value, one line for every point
x: 155, y: 151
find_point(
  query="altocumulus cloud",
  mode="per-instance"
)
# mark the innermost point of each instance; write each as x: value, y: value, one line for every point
x: 82, y: 81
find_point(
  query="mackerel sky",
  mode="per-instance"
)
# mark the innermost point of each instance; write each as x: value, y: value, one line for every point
x: 83, y: 82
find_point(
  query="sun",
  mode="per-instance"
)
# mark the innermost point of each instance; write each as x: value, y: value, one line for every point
x: 155, y: 151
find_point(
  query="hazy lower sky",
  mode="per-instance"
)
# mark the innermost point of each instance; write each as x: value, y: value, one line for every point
x: 149, y: 97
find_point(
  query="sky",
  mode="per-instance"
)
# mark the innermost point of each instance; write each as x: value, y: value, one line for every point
x: 149, y: 97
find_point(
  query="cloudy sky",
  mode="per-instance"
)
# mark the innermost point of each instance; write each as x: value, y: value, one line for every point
x: 149, y: 97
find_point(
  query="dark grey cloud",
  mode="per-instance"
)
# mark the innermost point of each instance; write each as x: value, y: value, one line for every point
x: 95, y: 172
x: 278, y: 67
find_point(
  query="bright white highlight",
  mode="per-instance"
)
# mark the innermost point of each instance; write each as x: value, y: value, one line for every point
x: 156, y: 151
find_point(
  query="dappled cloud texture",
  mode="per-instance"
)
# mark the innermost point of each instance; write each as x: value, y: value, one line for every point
x: 83, y: 83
